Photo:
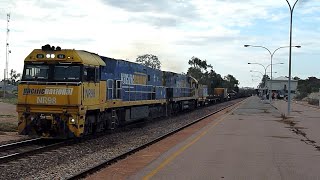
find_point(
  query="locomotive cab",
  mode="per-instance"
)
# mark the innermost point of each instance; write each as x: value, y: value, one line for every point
x: 56, y: 89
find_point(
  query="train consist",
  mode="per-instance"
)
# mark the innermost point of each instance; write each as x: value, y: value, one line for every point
x: 67, y: 93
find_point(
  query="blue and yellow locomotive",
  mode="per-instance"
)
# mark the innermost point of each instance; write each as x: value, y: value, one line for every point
x: 67, y: 93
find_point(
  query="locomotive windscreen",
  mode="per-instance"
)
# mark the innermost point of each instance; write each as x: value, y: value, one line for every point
x: 51, y: 72
x: 35, y: 72
x: 62, y: 73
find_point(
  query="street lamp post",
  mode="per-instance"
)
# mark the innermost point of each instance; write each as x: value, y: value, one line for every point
x: 264, y: 67
x: 265, y: 73
x: 256, y: 76
x: 271, y: 57
x: 262, y: 73
x: 289, y: 81
x: 258, y: 72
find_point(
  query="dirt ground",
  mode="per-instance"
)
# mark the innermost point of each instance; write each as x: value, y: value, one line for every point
x: 8, y: 114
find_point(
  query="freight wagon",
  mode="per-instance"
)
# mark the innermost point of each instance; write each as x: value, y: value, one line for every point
x: 221, y: 94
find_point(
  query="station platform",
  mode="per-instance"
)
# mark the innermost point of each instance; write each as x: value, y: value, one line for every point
x: 253, y: 141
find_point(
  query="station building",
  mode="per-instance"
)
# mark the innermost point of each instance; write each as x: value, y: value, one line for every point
x: 280, y: 86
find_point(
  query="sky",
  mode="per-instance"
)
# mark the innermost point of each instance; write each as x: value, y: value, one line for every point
x: 173, y: 30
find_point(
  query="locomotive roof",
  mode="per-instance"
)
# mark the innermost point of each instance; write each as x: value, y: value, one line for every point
x: 65, y: 56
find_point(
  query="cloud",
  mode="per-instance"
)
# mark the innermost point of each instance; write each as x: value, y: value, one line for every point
x: 59, y: 41
x: 157, y: 21
x: 205, y: 40
x: 174, y: 30
x: 163, y: 13
x: 182, y: 8
x: 139, y: 5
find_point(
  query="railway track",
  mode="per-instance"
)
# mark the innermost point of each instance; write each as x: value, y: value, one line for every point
x: 16, y: 150
x: 13, y: 151
x: 106, y: 163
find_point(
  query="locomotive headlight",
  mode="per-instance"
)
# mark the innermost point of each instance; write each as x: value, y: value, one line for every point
x: 72, y: 121
x: 50, y: 55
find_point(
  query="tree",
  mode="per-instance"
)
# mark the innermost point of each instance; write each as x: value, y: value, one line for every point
x: 263, y: 81
x: 231, y: 82
x: 198, y: 69
x: 205, y: 74
x: 199, y: 64
x: 307, y: 86
x: 212, y: 80
x: 14, y: 76
x: 149, y: 60
x: 296, y: 78
x: 195, y: 72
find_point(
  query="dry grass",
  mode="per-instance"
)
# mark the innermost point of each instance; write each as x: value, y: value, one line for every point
x: 266, y: 111
x: 6, y: 116
x: 9, y: 100
x: 287, y: 120
x: 314, y: 102
x: 283, y: 116
x: 8, y: 127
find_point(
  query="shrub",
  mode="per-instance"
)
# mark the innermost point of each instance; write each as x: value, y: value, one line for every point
x: 9, y: 94
x: 8, y: 127
x: 313, y: 102
x: 301, y: 95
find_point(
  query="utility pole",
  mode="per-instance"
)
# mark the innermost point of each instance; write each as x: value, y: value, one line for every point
x: 6, y: 71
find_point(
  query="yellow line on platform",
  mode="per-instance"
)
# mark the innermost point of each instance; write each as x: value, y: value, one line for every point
x: 182, y: 149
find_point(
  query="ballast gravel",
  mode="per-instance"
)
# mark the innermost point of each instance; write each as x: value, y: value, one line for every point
x: 69, y: 160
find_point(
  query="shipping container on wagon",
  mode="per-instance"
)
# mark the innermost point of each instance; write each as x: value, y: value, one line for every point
x: 221, y: 93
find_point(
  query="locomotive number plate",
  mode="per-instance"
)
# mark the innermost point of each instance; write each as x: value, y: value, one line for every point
x: 46, y: 100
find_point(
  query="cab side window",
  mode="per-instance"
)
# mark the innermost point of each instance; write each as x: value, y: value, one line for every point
x: 89, y: 74
x: 97, y: 74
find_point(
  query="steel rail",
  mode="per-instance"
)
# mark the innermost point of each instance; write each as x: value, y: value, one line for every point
x: 106, y: 163
x: 18, y: 144
x: 17, y: 155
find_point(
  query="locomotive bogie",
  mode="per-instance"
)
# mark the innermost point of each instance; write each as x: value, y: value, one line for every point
x: 58, y: 125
